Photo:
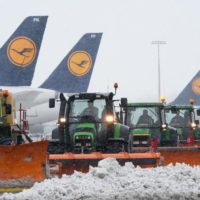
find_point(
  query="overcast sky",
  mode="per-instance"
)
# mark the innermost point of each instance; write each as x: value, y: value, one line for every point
x: 126, y: 54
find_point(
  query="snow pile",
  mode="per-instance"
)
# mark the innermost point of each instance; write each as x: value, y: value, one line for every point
x: 24, y: 182
x: 111, y: 181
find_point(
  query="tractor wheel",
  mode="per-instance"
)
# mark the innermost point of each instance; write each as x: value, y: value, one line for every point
x: 130, y: 143
x: 5, y: 141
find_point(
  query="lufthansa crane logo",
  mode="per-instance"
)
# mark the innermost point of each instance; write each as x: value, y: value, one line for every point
x: 79, y: 63
x: 21, y: 51
x: 196, y: 86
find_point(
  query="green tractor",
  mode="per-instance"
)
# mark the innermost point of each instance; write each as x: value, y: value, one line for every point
x: 88, y: 123
x: 182, y: 119
x: 170, y: 130
x: 170, y: 125
x: 146, y: 121
x: 89, y: 130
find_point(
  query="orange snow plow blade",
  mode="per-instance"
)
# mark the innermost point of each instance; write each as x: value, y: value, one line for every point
x: 182, y: 154
x: 23, y: 164
x: 187, y: 154
x: 68, y: 162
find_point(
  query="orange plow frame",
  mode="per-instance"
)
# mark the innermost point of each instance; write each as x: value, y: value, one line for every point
x: 68, y: 162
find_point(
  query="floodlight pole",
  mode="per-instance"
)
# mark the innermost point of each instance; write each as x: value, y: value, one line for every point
x: 158, y: 43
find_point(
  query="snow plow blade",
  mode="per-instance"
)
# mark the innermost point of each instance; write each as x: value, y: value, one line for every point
x: 182, y: 154
x: 188, y: 154
x: 68, y: 162
x: 22, y: 165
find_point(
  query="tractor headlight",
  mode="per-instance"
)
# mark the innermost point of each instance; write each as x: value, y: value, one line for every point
x: 164, y: 126
x: 62, y: 120
x: 193, y: 125
x: 109, y: 118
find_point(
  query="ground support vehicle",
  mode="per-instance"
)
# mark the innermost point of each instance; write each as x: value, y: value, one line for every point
x: 85, y: 137
x: 176, y: 142
x: 22, y: 162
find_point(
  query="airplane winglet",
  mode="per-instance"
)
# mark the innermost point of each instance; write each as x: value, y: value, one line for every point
x: 74, y: 72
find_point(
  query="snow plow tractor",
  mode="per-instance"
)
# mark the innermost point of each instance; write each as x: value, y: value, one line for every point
x: 170, y: 130
x: 145, y: 121
x: 89, y: 131
x: 187, y: 144
x: 20, y: 163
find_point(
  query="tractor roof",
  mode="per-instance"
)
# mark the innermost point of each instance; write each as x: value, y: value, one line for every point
x: 145, y: 104
x: 178, y: 107
x: 91, y: 96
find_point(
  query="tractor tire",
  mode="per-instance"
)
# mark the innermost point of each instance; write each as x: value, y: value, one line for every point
x: 130, y: 143
x: 55, y: 134
x: 124, y: 130
x: 5, y: 141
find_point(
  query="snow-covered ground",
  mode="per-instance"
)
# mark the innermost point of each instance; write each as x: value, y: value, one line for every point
x: 111, y: 181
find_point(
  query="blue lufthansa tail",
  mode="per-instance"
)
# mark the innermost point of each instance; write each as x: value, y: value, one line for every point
x: 74, y: 72
x: 191, y: 91
x: 19, y: 54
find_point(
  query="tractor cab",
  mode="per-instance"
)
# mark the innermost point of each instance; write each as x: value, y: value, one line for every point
x: 182, y: 118
x: 146, y: 122
x: 88, y: 123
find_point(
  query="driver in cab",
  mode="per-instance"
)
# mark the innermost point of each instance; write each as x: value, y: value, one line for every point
x: 177, y: 120
x: 145, y: 119
x: 91, y: 110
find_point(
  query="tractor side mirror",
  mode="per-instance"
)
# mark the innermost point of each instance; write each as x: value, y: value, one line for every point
x: 52, y: 103
x: 124, y: 102
x: 8, y: 109
x: 198, y: 112
x: 197, y: 122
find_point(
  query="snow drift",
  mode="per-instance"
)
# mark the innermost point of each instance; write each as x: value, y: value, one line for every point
x: 111, y: 181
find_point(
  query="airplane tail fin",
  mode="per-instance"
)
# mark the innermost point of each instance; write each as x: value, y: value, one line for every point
x: 74, y: 72
x: 191, y: 91
x: 18, y: 56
